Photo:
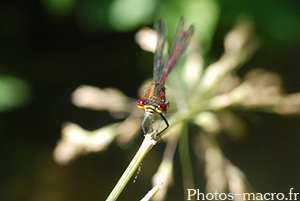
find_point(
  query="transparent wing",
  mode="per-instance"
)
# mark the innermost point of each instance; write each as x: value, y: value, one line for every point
x: 180, y: 26
x: 161, y: 38
x: 179, y: 44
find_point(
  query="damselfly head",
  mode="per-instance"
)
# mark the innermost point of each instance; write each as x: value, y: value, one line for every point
x: 149, y: 109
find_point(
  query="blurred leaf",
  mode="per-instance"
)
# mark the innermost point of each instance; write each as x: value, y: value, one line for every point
x: 129, y: 14
x: 14, y: 92
x: 204, y: 15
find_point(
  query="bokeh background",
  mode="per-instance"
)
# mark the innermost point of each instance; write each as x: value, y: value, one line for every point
x: 50, y: 47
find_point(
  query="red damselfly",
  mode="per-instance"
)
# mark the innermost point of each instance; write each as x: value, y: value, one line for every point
x: 154, y: 99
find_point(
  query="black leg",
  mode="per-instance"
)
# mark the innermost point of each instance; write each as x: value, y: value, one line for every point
x: 167, y: 126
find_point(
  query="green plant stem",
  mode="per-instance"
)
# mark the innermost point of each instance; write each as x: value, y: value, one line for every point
x: 146, y: 146
x: 185, y: 160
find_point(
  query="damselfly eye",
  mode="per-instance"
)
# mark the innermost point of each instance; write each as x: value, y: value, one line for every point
x: 161, y: 108
x: 141, y: 103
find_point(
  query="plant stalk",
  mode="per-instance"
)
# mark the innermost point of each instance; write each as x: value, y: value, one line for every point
x: 146, y: 146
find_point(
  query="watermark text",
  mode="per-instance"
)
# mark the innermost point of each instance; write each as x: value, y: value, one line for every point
x: 196, y: 194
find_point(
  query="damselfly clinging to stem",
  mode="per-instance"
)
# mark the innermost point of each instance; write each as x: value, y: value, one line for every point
x: 154, y: 99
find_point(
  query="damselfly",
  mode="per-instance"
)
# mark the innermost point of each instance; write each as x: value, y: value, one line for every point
x: 154, y: 99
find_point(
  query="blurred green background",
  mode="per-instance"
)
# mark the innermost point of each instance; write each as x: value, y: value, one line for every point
x: 50, y: 47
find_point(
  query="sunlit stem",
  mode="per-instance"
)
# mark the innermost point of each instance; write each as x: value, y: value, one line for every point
x: 152, y: 192
x: 146, y: 146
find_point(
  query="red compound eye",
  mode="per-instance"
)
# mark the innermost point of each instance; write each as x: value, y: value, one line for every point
x: 141, y: 103
x: 161, y: 108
